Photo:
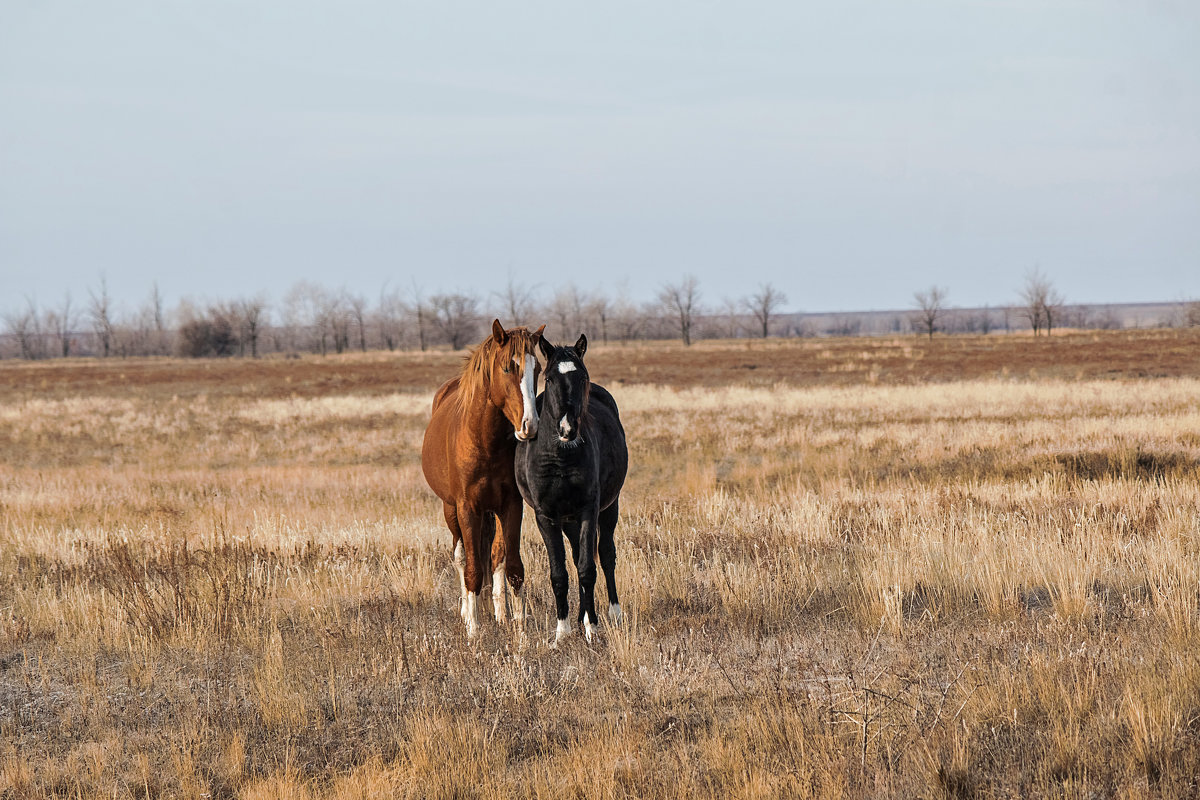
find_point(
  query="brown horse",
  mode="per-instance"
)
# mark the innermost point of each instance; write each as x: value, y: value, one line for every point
x: 467, y: 458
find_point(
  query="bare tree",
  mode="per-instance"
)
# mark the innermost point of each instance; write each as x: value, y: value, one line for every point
x: 99, y: 312
x: 1041, y: 302
x: 569, y: 308
x: 25, y: 328
x: 844, y: 325
x: 144, y: 332
x: 158, y: 317
x: 1052, y: 308
x: 763, y: 304
x: 1106, y: 319
x: 627, y: 315
x: 456, y: 316
x: 304, y: 307
x: 929, y: 304
x: 421, y: 312
x: 1191, y: 314
x: 985, y: 321
x: 732, y: 309
x: 516, y: 301
x: 682, y: 301
x: 357, y: 305
x: 601, y: 307
x: 388, y: 317
x: 210, y: 333
x: 336, y: 317
x: 250, y: 315
x: 58, y: 323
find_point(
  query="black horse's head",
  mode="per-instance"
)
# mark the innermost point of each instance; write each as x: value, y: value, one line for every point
x: 567, y: 388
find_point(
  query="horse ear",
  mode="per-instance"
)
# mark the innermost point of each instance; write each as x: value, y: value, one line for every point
x: 581, y: 345
x: 499, y: 335
x: 537, y: 335
x: 545, y: 346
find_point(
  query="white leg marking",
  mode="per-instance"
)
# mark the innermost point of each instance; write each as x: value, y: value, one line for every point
x: 472, y: 615
x: 614, y: 613
x: 498, y: 599
x: 589, y: 629
x: 562, y: 631
x: 460, y: 563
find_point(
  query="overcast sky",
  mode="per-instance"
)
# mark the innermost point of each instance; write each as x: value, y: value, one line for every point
x: 848, y: 152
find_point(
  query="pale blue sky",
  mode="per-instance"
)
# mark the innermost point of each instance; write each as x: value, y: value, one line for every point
x: 850, y: 153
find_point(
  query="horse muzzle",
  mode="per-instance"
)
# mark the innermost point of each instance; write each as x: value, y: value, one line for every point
x: 528, y: 430
x: 567, y: 433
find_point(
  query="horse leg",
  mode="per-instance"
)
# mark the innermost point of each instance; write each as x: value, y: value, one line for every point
x: 499, y: 600
x: 552, y: 535
x: 460, y: 559
x: 608, y: 559
x: 510, y: 565
x: 571, y: 530
x: 474, y: 529
x: 585, y: 567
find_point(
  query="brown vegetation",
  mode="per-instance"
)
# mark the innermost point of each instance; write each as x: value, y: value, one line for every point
x: 882, y: 568
x: 1153, y: 353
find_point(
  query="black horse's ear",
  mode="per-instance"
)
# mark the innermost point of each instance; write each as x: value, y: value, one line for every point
x: 581, y: 345
x: 499, y: 335
x: 545, y: 346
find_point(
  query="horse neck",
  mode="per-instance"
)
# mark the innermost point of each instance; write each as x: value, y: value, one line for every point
x: 487, y: 422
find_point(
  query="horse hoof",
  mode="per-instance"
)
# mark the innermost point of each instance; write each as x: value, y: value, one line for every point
x: 562, y: 631
x: 614, y: 613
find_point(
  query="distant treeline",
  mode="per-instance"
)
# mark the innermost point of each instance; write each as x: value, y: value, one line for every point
x: 311, y: 318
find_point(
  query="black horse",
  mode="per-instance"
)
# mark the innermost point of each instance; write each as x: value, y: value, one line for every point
x: 571, y: 476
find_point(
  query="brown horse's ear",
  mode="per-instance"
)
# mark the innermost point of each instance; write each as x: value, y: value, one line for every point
x: 581, y: 345
x: 499, y: 335
x: 545, y: 346
x: 538, y: 333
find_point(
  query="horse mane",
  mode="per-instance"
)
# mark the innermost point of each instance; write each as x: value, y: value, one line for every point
x: 477, y: 368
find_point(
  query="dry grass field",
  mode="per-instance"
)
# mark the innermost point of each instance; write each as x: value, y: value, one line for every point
x: 850, y: 568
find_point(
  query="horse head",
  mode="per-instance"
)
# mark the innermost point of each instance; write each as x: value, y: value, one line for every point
x: 567, y: 388
x: 514, y: 372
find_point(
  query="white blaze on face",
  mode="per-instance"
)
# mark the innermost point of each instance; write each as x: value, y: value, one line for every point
x: 566, y: 366
x: 528, y: 392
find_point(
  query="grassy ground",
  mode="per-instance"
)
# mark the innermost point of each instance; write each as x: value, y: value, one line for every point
x: 880, y: 568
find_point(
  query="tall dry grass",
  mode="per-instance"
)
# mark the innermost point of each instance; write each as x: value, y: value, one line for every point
x: 980, y: 588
